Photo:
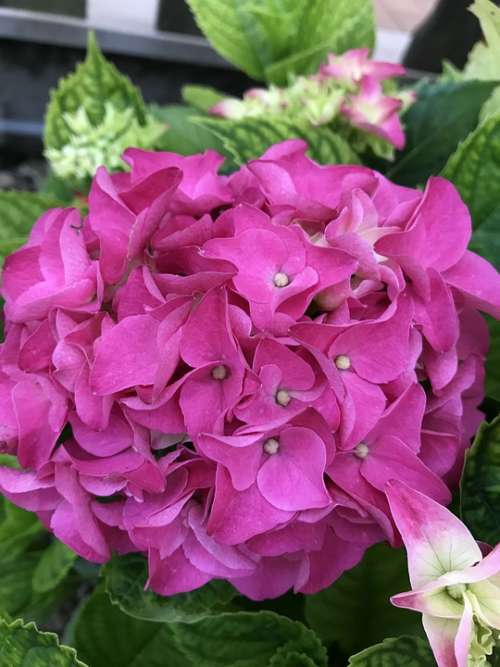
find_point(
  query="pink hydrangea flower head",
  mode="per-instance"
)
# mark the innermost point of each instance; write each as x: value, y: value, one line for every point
x: 353, y: 65
x: 223, y: 373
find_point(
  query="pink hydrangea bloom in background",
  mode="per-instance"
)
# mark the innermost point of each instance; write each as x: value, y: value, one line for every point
x: 455, y: 587
x: 244, y: 362
x: 348, y: 85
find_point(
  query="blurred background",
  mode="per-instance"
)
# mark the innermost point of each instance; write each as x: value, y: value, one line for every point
x: 157, y: 43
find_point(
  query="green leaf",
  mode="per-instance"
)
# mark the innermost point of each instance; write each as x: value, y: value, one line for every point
x: 272, y: 39
x: 18, y: 529
x: 326, y: 26
x: 183, y: 136
x: 484, y: 59
x: 397, y: 652
x: 201, y: 97
x: 15, y: 583
x: 475, y: 170
x: 360, y: 600
x: 22, y: 645
x: 106, y: 637
x: 221, y: 23
x: 18, y: 212
x: 53, y: 567
x: 95, y: 83
x: 125, y: 581
x: 480, y: 487
x: 493, y: 360
x: 443, y: 115
x: 249, y: 138
x: 246, y: 639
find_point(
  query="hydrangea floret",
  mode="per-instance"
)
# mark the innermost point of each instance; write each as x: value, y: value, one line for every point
x: 224, y: 372
x: 455, y: 586
x: 349, y: 92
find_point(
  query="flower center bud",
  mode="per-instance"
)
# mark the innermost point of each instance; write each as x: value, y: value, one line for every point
x: 456, y: 591
x: 283, y: 398
x: 219, y: 372
x: 271, y: 446
x: 342, y: 362
x: 361, y: 450
x: 281, y: 279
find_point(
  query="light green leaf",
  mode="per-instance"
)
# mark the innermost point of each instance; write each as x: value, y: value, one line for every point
x: 183, y: 136
x: 484, y: 59
x: 246, y: 639
x: 201, y: 97
x: 53, y: 566
x: 22, y: 645
x: 106, y: 637
x: 400, y: 652
x: 273, y: 39
x: 249, y: 138
x: 491, y: 106
x: 480, y: 487
x: 326, y: 26
x: 95, y: 84
x: 443, y: 115
x: 18, y: 212
x: 360, y: 600
x: 221, y: 22
x: 125, y: 580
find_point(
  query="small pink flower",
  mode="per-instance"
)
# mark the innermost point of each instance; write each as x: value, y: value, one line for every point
x: 353, y: 65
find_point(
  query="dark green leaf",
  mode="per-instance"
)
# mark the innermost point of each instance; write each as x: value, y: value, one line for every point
x: 400, y: 652
x: 480, y: 498
x: 125, y: 580
x: 443, y: 115
x: 246, y: 639
x: 18, y: 212
x: 22, y: 645
x: 249, y: 138
x: 201, y: 97
x: 95, y: 83
x: 53, y: 566
x: 360, y: 600
x: 106, y: 637
x: 18, y: 529
x: 493, y: 360
x: 183, y: 136
x: 16, y: 591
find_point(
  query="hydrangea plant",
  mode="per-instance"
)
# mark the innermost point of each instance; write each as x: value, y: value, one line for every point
x: 244, y: 359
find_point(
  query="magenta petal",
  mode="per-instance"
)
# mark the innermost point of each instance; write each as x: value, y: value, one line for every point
x: 292, y: 479
x: 478, y: 280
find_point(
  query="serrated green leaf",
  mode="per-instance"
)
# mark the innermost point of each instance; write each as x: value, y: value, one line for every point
x: 397, y: 652
x: 183, y: 136
x: 326, y: 25
x: 360, y: 600
x: 95, y: 83
x: 475, y: 170
x: 246, y: 639
x: 484, y: 59
x: 18, y: 212
x: 106, y: 637
x: 125, y: 580
x: 249, y: 138
x: 292, y: 659
x: 22, y: 645
x: 480, y: 487
x: 201, y: 97
x: 221, y: 23
x: 443, y: 115
x: 272, y: 39
x: 53, y: 567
